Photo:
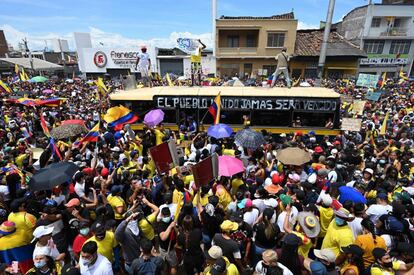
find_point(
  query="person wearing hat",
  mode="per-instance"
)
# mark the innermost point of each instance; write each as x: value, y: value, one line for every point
x: 325, y: 215
x: 43, y: 235
x: 229, y: 247
x: 212, y: 255
x: 44, y: 263
x: 339, y: 233
x: 250, y: 214
x: 104, y: 239
x: 324, y: 262
x: 355, y: 263
x: 117, y: 202
x: 144, y: 64
x: 222, y: 266
x: 285, y: 200
x: 384, y: 264
x: 270, y: 265
x: 308, y: 228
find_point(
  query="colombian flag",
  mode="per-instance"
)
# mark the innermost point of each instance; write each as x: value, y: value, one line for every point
x: 93, y: 135
x: 117, y: 117
x: 214, y: 109
x: 5, y: 87
x: 44, y: 126
x: 14, y: 247
x: 50, y: 102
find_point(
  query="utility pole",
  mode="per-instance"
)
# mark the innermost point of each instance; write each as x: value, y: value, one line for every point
x: 324, y: 46
x: 214, y: 35
x: 62, y: 55
x: 30, y: 53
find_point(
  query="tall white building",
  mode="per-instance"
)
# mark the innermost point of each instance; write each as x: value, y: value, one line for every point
x: 386, y: 33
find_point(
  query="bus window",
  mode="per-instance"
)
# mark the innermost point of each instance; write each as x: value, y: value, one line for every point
x: 315, y: 120
x: 233, y: 117
x: 271, y: 118
x: 170, y: 115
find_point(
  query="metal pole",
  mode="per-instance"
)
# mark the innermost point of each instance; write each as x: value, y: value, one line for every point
x: 30, y: 54
x: 324, y: 46
x: 214, y: 34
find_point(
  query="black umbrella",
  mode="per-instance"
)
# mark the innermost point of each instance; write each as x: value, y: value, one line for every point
x: 53, y: 175
x: 248, y: 138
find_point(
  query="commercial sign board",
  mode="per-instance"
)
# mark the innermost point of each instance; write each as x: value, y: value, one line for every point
x: 385, y: 59
x: 283, y: 104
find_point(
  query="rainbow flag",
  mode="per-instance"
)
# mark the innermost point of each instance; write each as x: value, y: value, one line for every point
x: 44, y: 126
x: 215, y: 108
x: 5, y: 87
x: 93, y: 135
x: 14, y: 247
x: 117, y: 117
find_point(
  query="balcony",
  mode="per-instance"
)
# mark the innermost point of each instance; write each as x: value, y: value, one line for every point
x: 395, y: 32
x: 237, y: 51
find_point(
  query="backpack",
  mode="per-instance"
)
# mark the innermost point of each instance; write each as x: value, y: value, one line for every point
x: 146, y: 266
x: 393, y: 225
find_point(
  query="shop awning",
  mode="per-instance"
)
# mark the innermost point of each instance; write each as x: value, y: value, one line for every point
x: 38, y: 64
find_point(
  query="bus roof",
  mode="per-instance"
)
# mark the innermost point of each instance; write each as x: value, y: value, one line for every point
x: 149, y: 93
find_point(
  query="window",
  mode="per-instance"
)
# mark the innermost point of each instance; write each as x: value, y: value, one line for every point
x: 397, y: 23
x: 374, y: 46
x: 251, y: 41
x: 275, y: 39
x: 269, y: 69
x: 248, y: 67
x: 376, y: 22
x: 400, y: 47
x: 233, y: 41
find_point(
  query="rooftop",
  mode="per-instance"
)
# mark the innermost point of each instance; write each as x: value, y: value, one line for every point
x: 38, y: 64
x: 308, y: 43
x: 285, y: 16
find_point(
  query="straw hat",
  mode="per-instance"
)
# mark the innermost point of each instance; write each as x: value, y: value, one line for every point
x: 309, y: 224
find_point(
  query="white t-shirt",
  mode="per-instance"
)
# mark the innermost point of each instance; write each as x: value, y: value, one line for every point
x: 260, y: 270
x: 102, y: 266
x: 377, y: 210
x: 356, y: 226
x: 292, y: 218
x: 144, y: 59
x: 80, y: 189
x: 251, y: 216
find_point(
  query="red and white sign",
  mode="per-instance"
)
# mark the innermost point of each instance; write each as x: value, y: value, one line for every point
x: 100, y: 59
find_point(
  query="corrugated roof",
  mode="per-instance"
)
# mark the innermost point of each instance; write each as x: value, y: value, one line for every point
x: 38, y: 64
x: 308, y: 43
x: 284, y: 16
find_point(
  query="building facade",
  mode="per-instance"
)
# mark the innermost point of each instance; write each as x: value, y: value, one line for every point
x: 247, y: 46
x: 386, y: 33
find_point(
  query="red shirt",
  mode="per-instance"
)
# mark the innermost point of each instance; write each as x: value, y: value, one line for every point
x: 78, y: 243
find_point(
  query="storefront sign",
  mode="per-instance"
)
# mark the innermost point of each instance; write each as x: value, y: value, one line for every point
x: 248, y: 103
x: 367, y: 80
x: 383, y: 61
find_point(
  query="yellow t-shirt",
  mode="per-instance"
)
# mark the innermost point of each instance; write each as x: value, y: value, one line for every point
x: 366, y: 242
x: 115, y: 202
x: 235, y: 184
x: 375, y: 270
x: 224, y: 196
x: 146, y: 226
x: 228, y: 152
x: 24, y: 221
x: 126, y: 167
x: 106, y: 246
x: 159, y: 135
x: 337, y: 237
x: 306, y: 244
x: 326, y: 215
x: 203, y: 199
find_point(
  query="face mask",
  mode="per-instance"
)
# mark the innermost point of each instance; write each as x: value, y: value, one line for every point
x: 40, y: 264
x: 387, y: 265
x: 339, y: 221
x: 166, y: 219
x: 86, y: 261
x: 84, y: 231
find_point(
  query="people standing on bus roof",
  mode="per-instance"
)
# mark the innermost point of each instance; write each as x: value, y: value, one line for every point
x: 282, y: 67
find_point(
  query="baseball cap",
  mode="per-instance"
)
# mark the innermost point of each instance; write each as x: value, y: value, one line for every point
x: 116, y: 189
x: 245, y: 203
x: 292, y: 239
x: 98, y: 228
x: 325, y: 254
x: 353, y: 249
x: 228, y: 226
x: 378, y: 253
x: 214, y: 253
x: 369, y: 170
x: 382, y: 196
x: 318, y: 268
x: 42, y: 230
x: 285, y: 199
x: 294, y: 177
x: 318, y: 149
x: 218, y: 267
x: 104, y: 172
x: 73, y: 202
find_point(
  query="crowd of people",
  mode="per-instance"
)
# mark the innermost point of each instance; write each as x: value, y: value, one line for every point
x: 347, y: 211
